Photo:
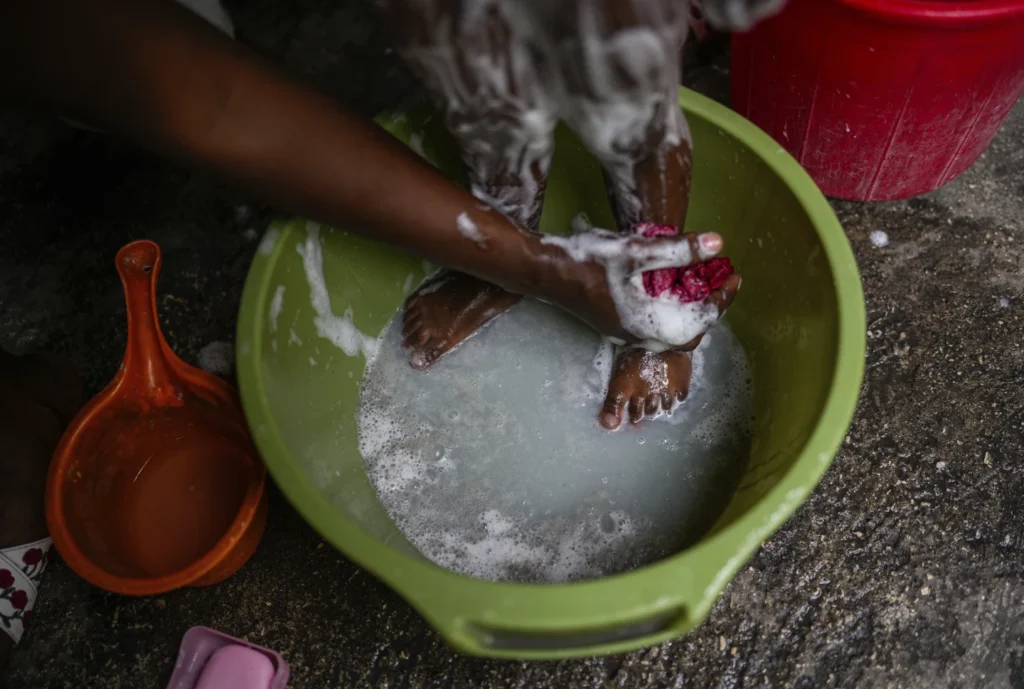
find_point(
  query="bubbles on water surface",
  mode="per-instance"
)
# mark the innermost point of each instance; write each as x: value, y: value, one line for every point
x: 492, y: 464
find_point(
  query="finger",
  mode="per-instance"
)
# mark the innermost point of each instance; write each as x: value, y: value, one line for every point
x: 636, y: 409
x: 653, y: 405
x: 722, y: 297
x: 652, y: 253
x: 612, y: 411
x: 666, y: 402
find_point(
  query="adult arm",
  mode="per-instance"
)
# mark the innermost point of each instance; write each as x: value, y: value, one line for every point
x: 157, y: 75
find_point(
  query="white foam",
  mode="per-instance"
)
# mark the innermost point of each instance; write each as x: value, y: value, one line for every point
x: 880, y: 239
x: 276, y: 304
x: 654, y: 372
x: 416, y: 144
x: 339, y: 330
x: 470, y: 230
x: 600, y: 371
x: 580, y: 223
x: 632, y: 78
x: 269, y: 241
x: 492, y: 464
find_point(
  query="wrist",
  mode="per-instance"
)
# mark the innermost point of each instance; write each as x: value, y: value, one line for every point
x: 524, y: 264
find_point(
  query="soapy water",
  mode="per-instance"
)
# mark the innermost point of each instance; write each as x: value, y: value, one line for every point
x: 492, y: 463
x: 339, y: 330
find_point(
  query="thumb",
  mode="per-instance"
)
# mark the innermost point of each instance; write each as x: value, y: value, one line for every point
x: 652, y: 253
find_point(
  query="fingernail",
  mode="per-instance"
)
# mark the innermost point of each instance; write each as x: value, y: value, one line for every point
x: 710, y: 242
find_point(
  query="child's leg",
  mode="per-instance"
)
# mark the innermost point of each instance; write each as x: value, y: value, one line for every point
x: 474, y: 62
x: 621, y: 71
x: 621, y: 74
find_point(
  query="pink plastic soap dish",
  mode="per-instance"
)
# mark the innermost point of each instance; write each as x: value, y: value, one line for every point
x: 209, y: 659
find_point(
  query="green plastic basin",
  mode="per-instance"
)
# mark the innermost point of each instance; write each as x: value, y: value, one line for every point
x: 800, y: 316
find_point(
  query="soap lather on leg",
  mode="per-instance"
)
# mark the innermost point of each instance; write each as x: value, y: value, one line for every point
x: 473, y: 59
x: 620, y: 65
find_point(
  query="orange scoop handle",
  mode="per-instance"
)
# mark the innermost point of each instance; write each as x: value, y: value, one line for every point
x: 148, y: 371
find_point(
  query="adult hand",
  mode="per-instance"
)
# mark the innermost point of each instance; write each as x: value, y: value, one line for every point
x: 598, y: 276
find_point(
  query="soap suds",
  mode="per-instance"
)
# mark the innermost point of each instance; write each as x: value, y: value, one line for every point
x: 654, y: 372
x: 580, y: 223
x: 600, y: 372
x: 416, y: 144
x: 632, y: 81
x: 662, y: 319
x: 492, y: 463
x: 276, y: 304
x: 269, y: 241
x: 339, y: 330
x: 469, y: 230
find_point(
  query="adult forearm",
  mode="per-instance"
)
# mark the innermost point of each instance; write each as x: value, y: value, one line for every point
x: 155, y: 74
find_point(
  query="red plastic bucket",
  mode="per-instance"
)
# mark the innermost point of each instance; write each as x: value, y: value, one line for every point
x: 882, y: 99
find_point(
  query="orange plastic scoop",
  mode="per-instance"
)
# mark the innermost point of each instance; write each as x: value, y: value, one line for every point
x: 156, y: 483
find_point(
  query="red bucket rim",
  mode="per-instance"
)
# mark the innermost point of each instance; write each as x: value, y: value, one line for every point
x: 941, y: 12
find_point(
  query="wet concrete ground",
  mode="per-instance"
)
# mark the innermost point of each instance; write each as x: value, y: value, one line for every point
x: 904, y: 569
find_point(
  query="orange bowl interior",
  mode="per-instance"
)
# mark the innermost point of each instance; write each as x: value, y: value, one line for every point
x: 143, y: 500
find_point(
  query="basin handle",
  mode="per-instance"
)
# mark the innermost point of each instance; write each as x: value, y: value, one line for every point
x: 573, y: 639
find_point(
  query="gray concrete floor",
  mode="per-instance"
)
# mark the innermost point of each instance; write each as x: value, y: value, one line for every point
x: 904, y: 569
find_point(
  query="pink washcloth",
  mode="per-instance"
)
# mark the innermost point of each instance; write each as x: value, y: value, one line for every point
x: 691, y: 283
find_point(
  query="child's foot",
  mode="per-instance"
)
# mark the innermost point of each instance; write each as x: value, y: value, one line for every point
x: 447, y: 310
x: 644, y: 384
x: 39, y: 395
